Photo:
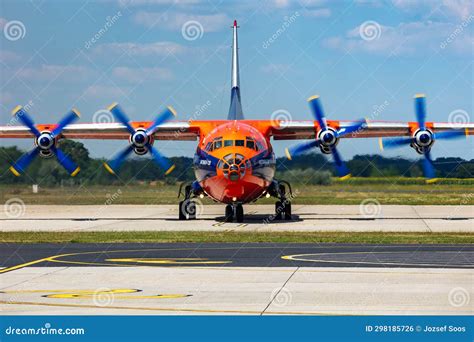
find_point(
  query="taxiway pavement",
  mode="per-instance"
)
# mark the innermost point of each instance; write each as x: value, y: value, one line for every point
x: 306, y: 218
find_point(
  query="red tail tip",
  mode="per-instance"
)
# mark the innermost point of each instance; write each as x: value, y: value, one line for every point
x: 235, y: 23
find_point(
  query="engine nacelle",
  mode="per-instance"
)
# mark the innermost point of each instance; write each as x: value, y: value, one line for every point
x: 45, y: 141
x: 139, y: 141
x: 327, y: 140
x: 423, y: 139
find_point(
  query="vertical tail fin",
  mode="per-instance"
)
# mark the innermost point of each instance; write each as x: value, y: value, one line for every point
x: 235, y: 109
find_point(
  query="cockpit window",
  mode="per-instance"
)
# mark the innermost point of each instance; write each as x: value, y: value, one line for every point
x: 259, y: 146
x: 208, y: 146
x: 217, y: 144
x: 251, y: 144
x: 240, y: 143
x: 228, y: 143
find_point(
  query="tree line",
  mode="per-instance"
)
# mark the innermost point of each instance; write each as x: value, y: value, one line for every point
x: 312, y: 166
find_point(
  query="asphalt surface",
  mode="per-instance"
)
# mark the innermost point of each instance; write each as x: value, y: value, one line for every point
x: 18, y: 256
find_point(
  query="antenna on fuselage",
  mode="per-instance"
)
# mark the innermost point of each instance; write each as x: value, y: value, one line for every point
x: 235, y: 109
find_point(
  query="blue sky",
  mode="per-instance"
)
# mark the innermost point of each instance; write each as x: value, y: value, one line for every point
x: 365, y: 59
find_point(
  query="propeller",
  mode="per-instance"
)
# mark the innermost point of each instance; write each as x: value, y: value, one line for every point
x: 141, y: 140
x: 326, y: 138
x: 45, y: 142
x: 423, y: 138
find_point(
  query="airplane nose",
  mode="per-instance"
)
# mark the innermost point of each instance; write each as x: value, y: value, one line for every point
x: 234, y: 173
x: 233, y: 167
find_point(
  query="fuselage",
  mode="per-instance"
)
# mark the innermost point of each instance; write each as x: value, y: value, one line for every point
x: 234, y: 162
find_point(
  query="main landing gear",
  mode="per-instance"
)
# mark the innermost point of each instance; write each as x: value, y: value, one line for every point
x: 188, y: 208
x: 234, y: 211
x: 283, y: 205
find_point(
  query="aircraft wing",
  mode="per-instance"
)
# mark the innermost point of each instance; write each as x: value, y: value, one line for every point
x: 171, y: 130
x: 373, y: 129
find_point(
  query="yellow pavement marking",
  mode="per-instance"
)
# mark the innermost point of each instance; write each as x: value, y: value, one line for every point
x: 54, y: 258
x: 168, y: 261
x: 300, y: 257
x: 116, y: 293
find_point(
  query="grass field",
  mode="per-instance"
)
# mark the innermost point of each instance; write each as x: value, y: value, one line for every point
x: 410, y: 191
x: 236, y: 237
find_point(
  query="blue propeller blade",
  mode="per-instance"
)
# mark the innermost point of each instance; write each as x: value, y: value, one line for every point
x: 121, y: 116
x: 65, y: 162
x: 22, y: 163
x: 359, y: 125
x: 300, y: 148
x: 24, y: 117
x: 341, y: 168
x: 115, y: 164
x: 164, y: 116
x: 69, y: 118
x: 428, y: 167
x: 450, y: 134
x: 420, y: 110
x: 395, y: 142
x: 161, y: 160
x: 317, y: 110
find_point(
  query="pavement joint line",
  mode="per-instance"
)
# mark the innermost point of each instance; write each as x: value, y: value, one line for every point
x: 60, y: 268
x: 422, y: 219
x: 276, y: 295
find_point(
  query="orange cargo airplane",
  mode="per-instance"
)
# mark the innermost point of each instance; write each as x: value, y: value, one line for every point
x: 234, y: 161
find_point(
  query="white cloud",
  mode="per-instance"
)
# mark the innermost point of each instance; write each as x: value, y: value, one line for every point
x: 406, y: 38
x: 175, y: 21
x: 138, y: 75
x: 6, y: 97
x: 461, y: 9
x: 318, y: 13
x: 275, y: 68
x: 303, y: 3
x: 106, y: 92
x: 161, y: 49
x: 48, y: 72
x: 9, y: 57
x: 130, y: 3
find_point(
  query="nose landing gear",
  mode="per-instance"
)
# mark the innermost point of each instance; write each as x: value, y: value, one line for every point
x: 234, y: 211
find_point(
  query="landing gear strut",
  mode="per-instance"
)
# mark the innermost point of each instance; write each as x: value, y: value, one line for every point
x: 187, y: 208
x: 283, y: 205
x: 234, y: 211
